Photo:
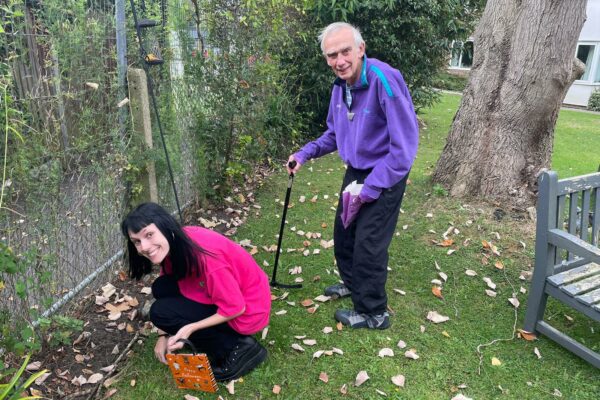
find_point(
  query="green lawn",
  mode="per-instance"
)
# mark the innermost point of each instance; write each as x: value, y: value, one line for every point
x: 449, y: 362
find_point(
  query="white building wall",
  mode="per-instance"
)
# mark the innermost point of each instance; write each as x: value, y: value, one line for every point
x: 581, y: 90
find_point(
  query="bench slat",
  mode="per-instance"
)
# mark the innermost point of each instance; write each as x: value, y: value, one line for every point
x: 596, y: 220
x: 575, y: 274
x: 584, y: 217
x: 580, y: 287
x: 590, y: 298
x: 578, y: 183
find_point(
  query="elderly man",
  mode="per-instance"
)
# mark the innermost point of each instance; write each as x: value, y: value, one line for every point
x: 372, y: 124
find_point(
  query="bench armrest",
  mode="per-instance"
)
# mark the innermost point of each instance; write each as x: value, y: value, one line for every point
x: 574, y: 245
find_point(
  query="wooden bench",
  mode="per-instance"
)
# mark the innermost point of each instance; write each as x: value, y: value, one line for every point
x: 567, y: 257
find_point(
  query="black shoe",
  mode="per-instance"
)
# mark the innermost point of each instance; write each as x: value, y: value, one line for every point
x: 244, y: 357
x: 356, y: 320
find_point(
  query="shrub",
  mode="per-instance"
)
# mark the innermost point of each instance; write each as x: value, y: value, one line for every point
x: 594, y: 102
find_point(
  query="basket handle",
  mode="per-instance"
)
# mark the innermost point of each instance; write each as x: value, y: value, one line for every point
x: 189, y: 344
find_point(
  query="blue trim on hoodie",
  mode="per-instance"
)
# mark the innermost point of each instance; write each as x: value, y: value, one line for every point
x: 384, y: 80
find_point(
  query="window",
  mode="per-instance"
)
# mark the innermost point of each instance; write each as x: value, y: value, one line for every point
x: 462, y: 54
x: 585, y: 53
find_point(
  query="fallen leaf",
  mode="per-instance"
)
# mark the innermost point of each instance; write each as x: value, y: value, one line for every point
x: 339, y: 326
x: 443, y: 276
x: 344, y: 389
x: 309, y: 342
x: 437, y: 282
x: 78, y: 381
x: 537, y: 352
x: 529, y: 336
x: 386, y: 352
x: 92, y: 85
x: 322, y: 298
x: 42, y: 378
x: 297, y: 347
x: 490, y: 293
x: 446, y: 334
x: 361, y: 378
x: 146, y: 290
x: 436, y: 318
x: 300, y: 337
x: 489, y: 282
x: 276, y: 389
x: 460, y: 396
x: 230, y: 387
x: 470, y: 272
x: 281, y: 312
x: 446, y: 243
x: 327, y: 330
x: 398, y: 380
x: 496, y: 362
x: 95, y: 378
x: 401, y: 344
x: 190, y: 397
x: 323, y: 377
x: 412, y: 354
x: 449, y: 252
x: 498, y: 264
x: 514, y: 301
x: 402, y: 292
x: 132, y: 383
x: 422, y: 328
x: 313, y: 309
x: 437, y: 292
x: 337, y: 351
x: 557, y: 393
x: 108, y: 290
x: 318, y: 353
x: 101, y: 300
x: 34, y: 366
x: 381, y: 392
x: 302, y: 199
x: 307, y: 302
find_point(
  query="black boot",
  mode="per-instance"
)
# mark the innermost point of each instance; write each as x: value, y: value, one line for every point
x: 245, y: 356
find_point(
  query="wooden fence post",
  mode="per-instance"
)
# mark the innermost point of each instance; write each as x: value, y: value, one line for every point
x: 142, y: 129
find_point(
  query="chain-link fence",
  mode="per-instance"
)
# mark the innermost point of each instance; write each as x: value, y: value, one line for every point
x: 66, y: 145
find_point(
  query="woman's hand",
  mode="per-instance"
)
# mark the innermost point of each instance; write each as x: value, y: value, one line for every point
x: 160, y: 349
x: 183, y: 333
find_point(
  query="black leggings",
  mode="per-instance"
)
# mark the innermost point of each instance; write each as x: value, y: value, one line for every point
x: 171, y: 311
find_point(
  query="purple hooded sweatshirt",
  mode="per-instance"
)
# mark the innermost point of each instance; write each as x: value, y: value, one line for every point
x: 379, y: 131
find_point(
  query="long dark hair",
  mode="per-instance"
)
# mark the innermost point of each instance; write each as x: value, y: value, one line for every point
x: 186, y: 257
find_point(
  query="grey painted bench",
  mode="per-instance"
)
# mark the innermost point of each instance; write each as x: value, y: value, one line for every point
x: 567, y: 257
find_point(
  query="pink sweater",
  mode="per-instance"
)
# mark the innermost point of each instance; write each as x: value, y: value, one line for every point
x: 231, y: 280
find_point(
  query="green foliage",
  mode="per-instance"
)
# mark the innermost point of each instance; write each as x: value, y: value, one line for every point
x: 248, y: 110
x: 446, y: 81
x: 439, y: 190
x: 14, y: 389
x: 594, y: 101
x: 413, y: 36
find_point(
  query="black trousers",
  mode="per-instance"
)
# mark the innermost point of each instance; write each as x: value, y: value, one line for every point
x: 361, y: 250
x: 171, y: 311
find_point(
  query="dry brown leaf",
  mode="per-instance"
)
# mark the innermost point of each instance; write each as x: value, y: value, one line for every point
x: 318, y: 353
x: 95, y: 378
x: 386, y: 352
x: 323, y: 225
x: 344, y: 389
x: 313, y: 309
x: 514, y: 301
x: 146, y: 290
x: 230, y: 386
x: 314, y: 199
x: 309, y: 342
x: 496, y: 362
x: 443, y: 276
x: 446, y: 334
x: 276, y: 389
x: 79, y: 358
x: 42, y: 378
x: 436, y: 318
x: 78, y: 381
x: 446, y: 243
x: 190, y: 397
x: 398, y: 380
x: 361, y: 378
x: 537, y: 352
x: 307, y: 302
x: 34, y: 366
x: 302, y: 199
x: 489, y: 282
x: 339, y: 326
x: 401, y: 344
x: 490, y: 293
x: 412, y: 354
x: 297, y: 347
x: 498, y: 264
x: 337, y: 351
x: 529, y: 336
x: 322, y: 298
x: 470, y: 272
x: 437, y: 292
x: 327, y: 330
x: 323, y: 377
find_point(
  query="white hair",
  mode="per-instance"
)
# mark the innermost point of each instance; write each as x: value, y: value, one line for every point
x: 336, y: 26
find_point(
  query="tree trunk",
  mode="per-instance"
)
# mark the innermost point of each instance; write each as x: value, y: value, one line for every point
x: 523, y: 65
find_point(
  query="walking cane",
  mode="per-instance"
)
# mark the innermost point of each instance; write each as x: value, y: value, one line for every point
x: 274, y: 282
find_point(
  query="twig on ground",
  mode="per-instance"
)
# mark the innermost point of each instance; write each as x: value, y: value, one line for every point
x: 94, y: 391
x: 514, y: 330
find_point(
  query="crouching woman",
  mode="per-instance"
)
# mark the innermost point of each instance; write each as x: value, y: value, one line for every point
x: 210, y: 290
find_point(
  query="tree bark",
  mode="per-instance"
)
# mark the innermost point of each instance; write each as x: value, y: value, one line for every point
x: 502, y: 134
